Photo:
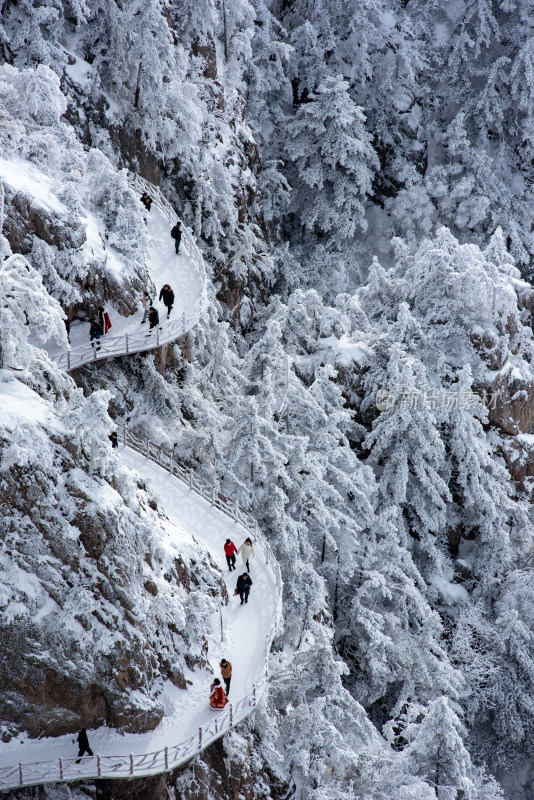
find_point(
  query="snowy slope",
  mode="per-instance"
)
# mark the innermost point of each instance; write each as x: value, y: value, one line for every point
x: 191, y: 522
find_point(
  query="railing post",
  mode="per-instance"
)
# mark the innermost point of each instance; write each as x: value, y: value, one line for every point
x: 68, y: 359
x: 157, y: 334
x: 124, y: 435
x: 126, y: 344
x: 190, y: 478
x: 231, y: 715
x: 98, y: 767
x: 60, y: 769
x: 200, y: 738
x: 166, y: 758
x: 21, y: 777
x: 147, y: 449
x: 254, y: 694
x: 222, y: 632
x: 171, y: 461
x: 131, y: 765
x: 213, y: 490
x: 183, y: 322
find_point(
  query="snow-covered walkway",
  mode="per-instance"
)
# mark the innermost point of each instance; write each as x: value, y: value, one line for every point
x: 185, y: 272
x: 197, y: 518
x: 189, y: 723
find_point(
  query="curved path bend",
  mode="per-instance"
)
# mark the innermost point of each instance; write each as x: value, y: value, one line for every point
x: 193, y: 507
x: 244, y: 635
x: 185, y: 273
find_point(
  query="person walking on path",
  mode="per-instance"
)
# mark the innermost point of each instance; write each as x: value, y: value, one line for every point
x: 230, y: 550
x: 95, y: 332
x: 146, y: 201
x: 153, y: 318
x: 243, y: 587
x: 218, y: 698
x: 226, y: 672
x: 247, y: 551
x: 176, y: 234
x: 83, y: 744
x: 114, y: 440
x: 146, y: 302
x: 167, y: 295
x: 103, y: 319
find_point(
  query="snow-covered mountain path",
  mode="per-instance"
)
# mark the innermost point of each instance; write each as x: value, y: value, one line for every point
x: 185, y: 272
x: 165, y: 267
x: 192, y: 525
x: 191, y: 522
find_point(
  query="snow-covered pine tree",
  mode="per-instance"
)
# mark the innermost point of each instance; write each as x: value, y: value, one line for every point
x: 479, y: 483
x: 406, y: 450
x: 334, y: 162
x: 25, y: 308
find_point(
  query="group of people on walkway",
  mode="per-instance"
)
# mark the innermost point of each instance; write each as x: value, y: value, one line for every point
x: 101, y: 324
x: 150, y: 312
x: 246, y: 550
x: 176, y: 230
x: 218, y: 695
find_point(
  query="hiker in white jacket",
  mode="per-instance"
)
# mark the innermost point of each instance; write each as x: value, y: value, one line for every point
x: 246, y: 550
x: 146, y: 302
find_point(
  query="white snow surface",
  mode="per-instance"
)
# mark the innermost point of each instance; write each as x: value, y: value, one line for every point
x: 24, y: 177
x: 20, y: 405
x: 191, y: 525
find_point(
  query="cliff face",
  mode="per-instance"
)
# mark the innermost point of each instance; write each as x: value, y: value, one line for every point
x: 97, y: 606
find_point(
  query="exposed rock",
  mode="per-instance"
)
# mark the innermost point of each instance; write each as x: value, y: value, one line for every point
x: 24, y: 218
x: 151, y: 587
x: 518, y: 452
x: 130, y: 143
x: 492, y: 349
x: 512, y: 406
x: 83, y: 646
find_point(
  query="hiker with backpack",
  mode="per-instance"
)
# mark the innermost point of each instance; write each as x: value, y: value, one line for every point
x: 146, y: 302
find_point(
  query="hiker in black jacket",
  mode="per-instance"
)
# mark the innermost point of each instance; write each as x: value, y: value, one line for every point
x: 153, y: 317
x: 176, y: 234
x: 243, y: 587
x: 167, y: 295
x: 95, y: 332
x: 146, y: 201
x: 83, y: 743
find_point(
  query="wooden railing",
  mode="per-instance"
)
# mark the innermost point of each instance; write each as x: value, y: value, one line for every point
x: 129, y: 343
x: 64, y: 770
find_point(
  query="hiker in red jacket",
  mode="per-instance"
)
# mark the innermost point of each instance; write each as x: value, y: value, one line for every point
x: 230, y: 550
x: 218, y: 698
